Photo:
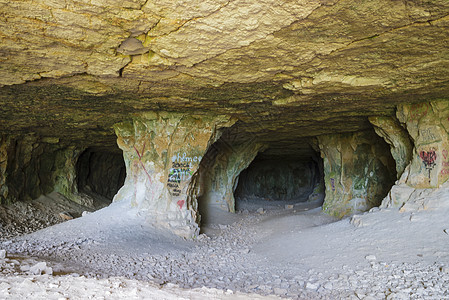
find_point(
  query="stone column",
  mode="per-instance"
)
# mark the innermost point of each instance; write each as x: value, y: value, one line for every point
x: 358, y: 172
x: 221, y: 171
x: 427, y: 125
x: 162, y: 152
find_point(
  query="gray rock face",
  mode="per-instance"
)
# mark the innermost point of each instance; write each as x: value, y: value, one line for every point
x: 358, y: 172
x: 279, y: 180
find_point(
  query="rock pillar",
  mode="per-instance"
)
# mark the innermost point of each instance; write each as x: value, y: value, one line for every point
x: 162, y: 153
x: 221, y: 170
x: 427, y: 125
x: 358, y: 172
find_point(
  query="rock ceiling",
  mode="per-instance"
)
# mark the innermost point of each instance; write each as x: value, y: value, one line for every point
x: 285, y: 69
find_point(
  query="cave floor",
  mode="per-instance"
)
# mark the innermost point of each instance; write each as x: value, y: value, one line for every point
x: 298, y: 253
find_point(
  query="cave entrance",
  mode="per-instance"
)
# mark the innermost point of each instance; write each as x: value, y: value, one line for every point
x: 273, y: 181
x: 100, y: 174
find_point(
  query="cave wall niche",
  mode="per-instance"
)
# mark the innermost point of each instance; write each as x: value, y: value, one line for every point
x: 220, y: 170
x: 31, y: 166
x: 359, y: 171
x: 100, y: 173
x: 275, y: 178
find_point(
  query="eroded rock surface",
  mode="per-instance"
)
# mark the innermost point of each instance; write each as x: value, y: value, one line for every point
x: 221, y: 170
x: 279, y: 180
x: 358, y: 172
x: 162, y: 153
x: 427, y: 125
x: 285, y: 71
x: 284, y: 67
x: 31, y: 166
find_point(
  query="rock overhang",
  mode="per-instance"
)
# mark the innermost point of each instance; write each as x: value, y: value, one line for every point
x: 283, y: 72
x: 290, y: 71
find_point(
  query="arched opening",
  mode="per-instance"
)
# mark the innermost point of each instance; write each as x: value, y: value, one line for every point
x: 280, y: 181
x: 100, y: 174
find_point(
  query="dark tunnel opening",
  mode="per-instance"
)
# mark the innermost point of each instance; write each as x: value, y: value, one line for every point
x: 278, y: 181
x: 100, y: 173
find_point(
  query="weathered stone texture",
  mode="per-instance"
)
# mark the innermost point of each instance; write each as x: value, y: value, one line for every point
x: 100, y: 172
x: 397, y: 137
x: 287, y: 70
x: 31, y: 166
x: 162, y: 153
x: 284, y: 179
x: 428, y: 126
x: 358, y: 172
x: 221, y: 169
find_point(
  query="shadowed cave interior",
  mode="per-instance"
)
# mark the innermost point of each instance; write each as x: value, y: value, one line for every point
x: 100, y: 172
x: 280, y: 180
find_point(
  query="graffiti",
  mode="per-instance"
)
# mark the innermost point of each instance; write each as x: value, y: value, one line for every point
x: 185, y: 158
x: 444, y: 172
x: 418, y: 110
x: 445, y: 163
x: 178, y: 175
x: 139, y: 155
x: 180, y: 203
x: 333, y: 184
x: 181, y: 170
x: 427, y: 135
x: 428, y: 158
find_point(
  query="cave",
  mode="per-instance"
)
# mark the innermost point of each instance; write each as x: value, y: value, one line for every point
x: 280, y: 181
x: 100, y: 173
x: 289, y: 148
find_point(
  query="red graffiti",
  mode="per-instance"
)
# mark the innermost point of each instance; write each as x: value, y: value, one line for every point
x: 428, y: 158
x: 180, y: 203
x: 444, y: 172
x: 140, y: 160
x: 445, y: 153
x: 418, y: 110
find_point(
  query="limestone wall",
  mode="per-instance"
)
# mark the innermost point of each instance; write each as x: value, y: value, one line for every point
x: 100, y: 172
x: 31, y: 166
x: 221, y: 169
x: 427, y: 124
x: 162, y: 153
x: 397, y: 137
x: 358, y: 171
x: 279, y: 180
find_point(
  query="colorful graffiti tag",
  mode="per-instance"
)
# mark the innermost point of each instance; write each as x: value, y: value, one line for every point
x: 429, y: 159
x: 181, y: 170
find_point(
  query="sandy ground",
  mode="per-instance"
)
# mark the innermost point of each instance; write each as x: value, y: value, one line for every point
x: 297, y: 253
